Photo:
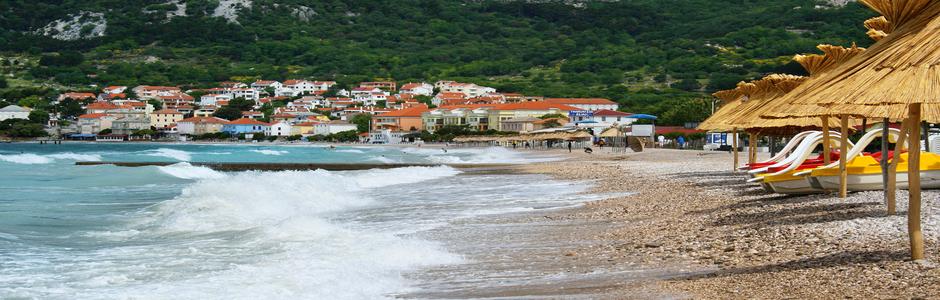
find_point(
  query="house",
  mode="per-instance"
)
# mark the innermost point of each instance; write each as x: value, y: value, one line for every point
x: 14, y: 112
x: 295, y: 87
x: 101, y: 107
x: 474, y: 116
x: 601, y: 118
x: 489, y: 116
x: 400, y: 120
x: 513, y: 97
x: 469, y: 89
x: 94, y: 123
x: 252, y: 114
x: 369, y: 96
x: 386, y: 136
x: 281, y: 129
x: 128, y: 125
x: 449, y: 98
x: 200, y: 125
x: 263, y: 85
x: 304, y: 128
x: 522, y: 124
x: 114, y: 89
x: 585, y: 103
x: 423, y: 89
x: 152, y: 92
x: 110, y: 97
x: 76, y: 96
x: 186, y: 109
x: 164, y: 118
x: 245, y: 125
x: 175, y: 99
x: 213, y: 99
x: 205, y: 111
x: 347, y: 113
x: 331, y: 127
x: 502, y: 112
x: 233, y: 85
x: 385, y: 85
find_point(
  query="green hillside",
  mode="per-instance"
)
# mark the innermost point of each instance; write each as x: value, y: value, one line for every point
x: 653, y: 56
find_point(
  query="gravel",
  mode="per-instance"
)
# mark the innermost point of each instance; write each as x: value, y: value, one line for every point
x: 733, y: 240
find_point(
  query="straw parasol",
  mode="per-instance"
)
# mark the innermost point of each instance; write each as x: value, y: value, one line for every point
x: 902, y: 68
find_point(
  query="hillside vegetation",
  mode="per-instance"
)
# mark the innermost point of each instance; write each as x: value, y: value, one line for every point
x: 652, y: 56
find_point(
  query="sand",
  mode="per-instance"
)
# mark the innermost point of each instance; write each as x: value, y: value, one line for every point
x: 693, y: 229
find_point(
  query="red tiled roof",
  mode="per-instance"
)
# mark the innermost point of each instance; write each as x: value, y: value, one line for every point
x: 247, y: 121
x: 92, y: 116
x: 203, y: 120
x: 78, y: 96
x: 570, y: 101
x: 101, y: 105
x: 538, y: 105
x: 607, y: 112
x: 409, y: 86
x: 408, y: 112
x: 167, y: 112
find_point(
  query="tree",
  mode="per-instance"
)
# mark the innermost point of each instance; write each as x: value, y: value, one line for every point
x: 39, y: 116
x: 345, y: 136
x: 34, y: 102
x: 553, y: 116
x: 105, y: 131
x: 69, y: 108
x: 24, y: 129
x: 362, y: 122
x: 229, y: 113
x: 689, y: 85
x: 157, y: 105
x: 3, y: 82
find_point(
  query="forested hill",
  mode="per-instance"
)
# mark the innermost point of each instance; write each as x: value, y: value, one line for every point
x: 650, y: 55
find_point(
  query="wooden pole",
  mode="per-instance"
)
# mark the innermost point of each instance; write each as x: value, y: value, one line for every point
x: 926, y: 137
x: 893, y: 169
x: 884, y: 155
x: 913, y: 183
x: 843, y: 151
x: 752, y: 148
x: 825, y: 130
x: 734, y: 145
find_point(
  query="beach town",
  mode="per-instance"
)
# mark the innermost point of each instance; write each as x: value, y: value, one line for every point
x: 821, y: 186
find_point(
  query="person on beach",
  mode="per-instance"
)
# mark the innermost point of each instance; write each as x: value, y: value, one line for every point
x: 681, y: 142
x: 588, y: 150
x: 514, y: 145
x: 569, y: 146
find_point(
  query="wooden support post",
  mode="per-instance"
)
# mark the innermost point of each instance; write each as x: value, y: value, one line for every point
x: 926, y: 137
x: 913, y: 186
x: 752, y: 148
x: 885, y: 140
x: 843, y: 150
x: 893, y: 169
x: 734, y: 146
x: 825, y: 130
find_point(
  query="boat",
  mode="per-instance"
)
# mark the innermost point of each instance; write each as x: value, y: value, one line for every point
x: 780, y: 178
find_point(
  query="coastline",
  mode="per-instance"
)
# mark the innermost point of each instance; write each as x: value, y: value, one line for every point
x: 692, y: 229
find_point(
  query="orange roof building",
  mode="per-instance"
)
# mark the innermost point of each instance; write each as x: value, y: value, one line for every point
x: 585, y: 103
x: 408, y: 119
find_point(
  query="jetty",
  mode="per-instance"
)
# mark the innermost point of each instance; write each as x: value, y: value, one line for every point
x: 250, y: 166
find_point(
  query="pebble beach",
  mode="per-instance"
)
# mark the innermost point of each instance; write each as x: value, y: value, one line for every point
x: 700, y: 231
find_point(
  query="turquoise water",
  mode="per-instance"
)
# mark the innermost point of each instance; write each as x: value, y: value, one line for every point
x: 186, y: 232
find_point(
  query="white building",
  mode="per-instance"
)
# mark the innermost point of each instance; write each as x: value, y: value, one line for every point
x: 591, y: 104
x: 152, y: 92
x: 261, y: 85
x: 469, y: 89
x: 423, y: 89
x: 14, y: 112
x: 280, y: 129
x: 332, y: 127
x: 213, y: 99
x: 294, y: 87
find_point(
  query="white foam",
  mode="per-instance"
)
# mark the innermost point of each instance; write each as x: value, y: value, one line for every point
x: 179, y: 155
x: 26, y: 159
x: 350, y: 151
x: 383, y: 159
x: 187, y: 171
x: 75, y: 156
x: 477, y: 155
x: 270, y: 152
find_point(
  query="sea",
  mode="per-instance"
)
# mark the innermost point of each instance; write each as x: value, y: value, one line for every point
x: 187, y: 232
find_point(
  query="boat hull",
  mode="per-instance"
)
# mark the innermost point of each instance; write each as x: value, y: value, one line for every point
x: 796, y: 186
x: 874, y: 182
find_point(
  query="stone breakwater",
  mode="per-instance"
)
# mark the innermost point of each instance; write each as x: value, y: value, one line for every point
x: 730, y: 239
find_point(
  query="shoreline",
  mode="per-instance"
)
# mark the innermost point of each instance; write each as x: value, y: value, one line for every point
x: 692, y: 229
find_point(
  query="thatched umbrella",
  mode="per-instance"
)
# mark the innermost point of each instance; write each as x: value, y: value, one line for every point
x: 901, y: 68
